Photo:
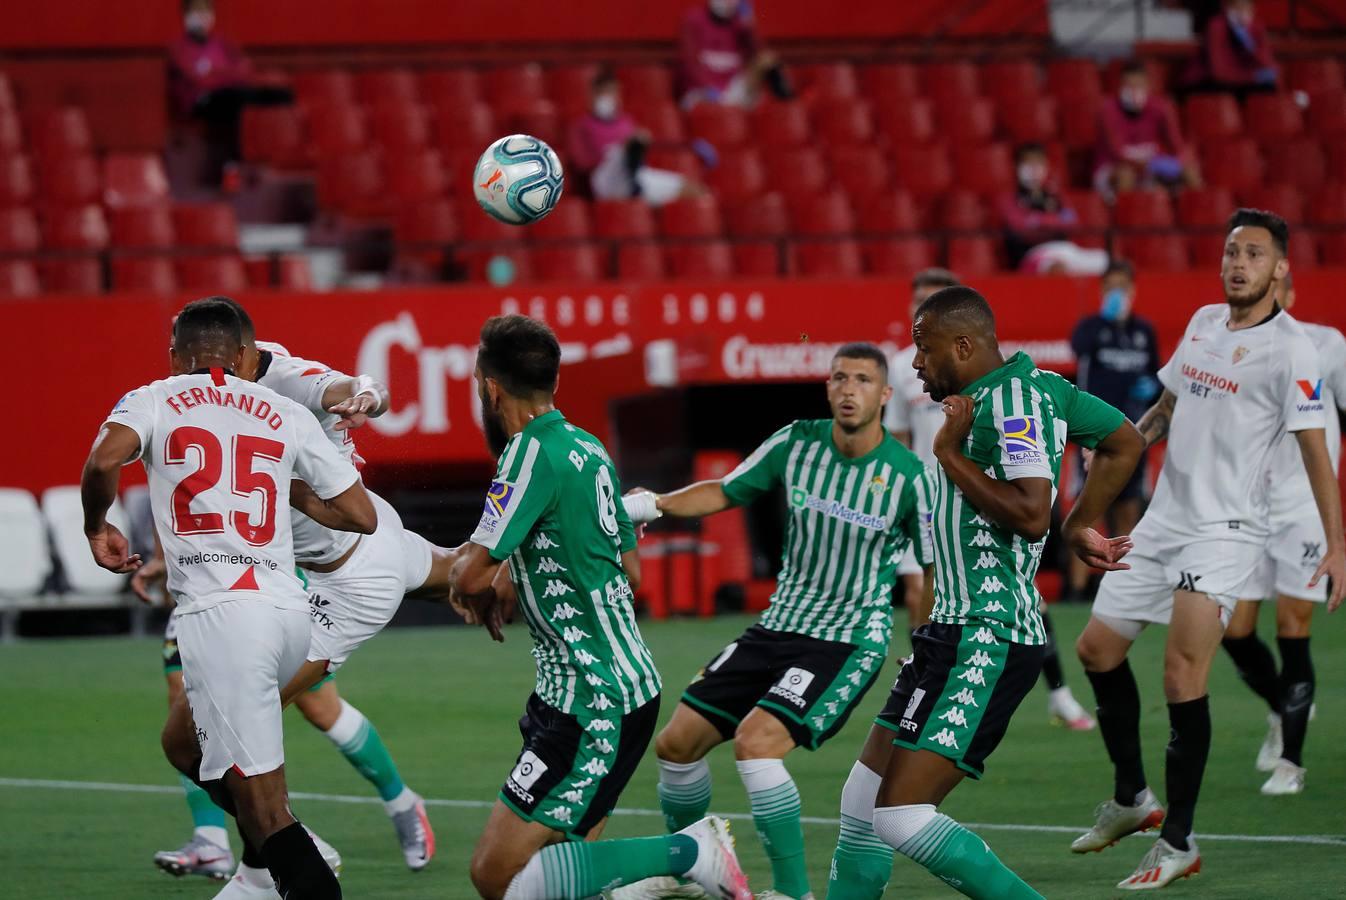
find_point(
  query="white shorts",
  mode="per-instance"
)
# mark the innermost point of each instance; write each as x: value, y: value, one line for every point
x: 352, y: 604
x: 1293, y: 554
x: 611, y: 180
x: 236, y: 655
x: 909, y: 565
x: 1163, y: 562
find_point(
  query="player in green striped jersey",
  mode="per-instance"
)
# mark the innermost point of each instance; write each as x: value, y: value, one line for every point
x: 857, y: 500
x: 999, y: 453
x: 554, y: 513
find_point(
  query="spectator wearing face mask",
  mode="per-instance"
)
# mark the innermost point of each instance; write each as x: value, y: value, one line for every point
x: 1139, y: 142
x: 608, y: 147
x: 1038, y: 224
x: 722, y: 58
x: 1235, y: 53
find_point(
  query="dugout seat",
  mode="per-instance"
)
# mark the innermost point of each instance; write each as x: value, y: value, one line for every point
x: 25, y: 556
x: 65, y: 523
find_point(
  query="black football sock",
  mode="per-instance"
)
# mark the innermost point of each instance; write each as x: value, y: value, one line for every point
x: 252, y: 857
x: 1118, y: 710
x: 1256, y: 666
x: 1051, y: 660
x: 298, y: 867
x: 1186, y: 764
x: 1297, y: 687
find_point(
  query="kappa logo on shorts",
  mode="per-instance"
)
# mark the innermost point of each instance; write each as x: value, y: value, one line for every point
x: 1187, y: 581
x: 792, y: 685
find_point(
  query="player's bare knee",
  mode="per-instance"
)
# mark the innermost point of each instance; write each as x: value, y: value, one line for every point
x: 1293, y: 618
x: 761, y: 737
x: 1184, y: 675
x: 670, y: 745
x: 490, y: 880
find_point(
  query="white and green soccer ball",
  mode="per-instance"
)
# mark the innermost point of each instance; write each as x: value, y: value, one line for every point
x: 518, y: 179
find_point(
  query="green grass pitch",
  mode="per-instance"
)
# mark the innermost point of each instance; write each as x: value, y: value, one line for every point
x: 447, y: 702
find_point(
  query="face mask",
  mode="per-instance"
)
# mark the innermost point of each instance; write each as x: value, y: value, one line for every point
x: 1134, y: 98
x: 198, y: 22
x: 1032, y: 175
x: 1114, y: 304
x: 605, y: 106
x: 723, y: 9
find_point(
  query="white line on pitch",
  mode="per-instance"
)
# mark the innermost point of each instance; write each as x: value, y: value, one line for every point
x: 116, y: 787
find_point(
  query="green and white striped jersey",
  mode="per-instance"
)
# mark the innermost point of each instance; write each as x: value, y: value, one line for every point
x: 1021, y: 417
x: 555, y: 512
x: 850, y: 522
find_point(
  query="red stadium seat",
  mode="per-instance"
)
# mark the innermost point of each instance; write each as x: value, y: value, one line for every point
x: 1322, y: 73
x: 962, y: 210
x: 539, y: 118
x: 1303, y: 250
x: 822, y: 83
x: 764, y: 215
x: 844, y: 124
x: 912, y: 122
x: 18, y: 278
x: 400, y: 127
x: 143, y: 227
x: 799, y: 171
x: 925, y: 171
x: 206, y: 225
x: 1283, y: 199
x: 292, y: 272
x: 469, y: 126
x: 75, y: 228
x: 1079, y: 125
x: 828, y: 213
x: 16, y: 181
x: 663, y: 121
x: 1272, y: 117
x: 1011, y: 81
x: 417, y: 175
x: 1204, y: 207
x: 6, y: 92
x: 739, y: 174
x: 1089, y: 208
x: 1235, y: 163
x: 1025, y: 119
x: 336, y: 130
x: 1298, y: 161
x: 691, y: 217
x: 11, y: 133
x: 427, y: 222
x: 18, y: 231
x: 700, y: 260
x: 1327, y: 114
x: 988, y: 170
x: 134, y: 179
x: 72, y: 276
x: 640, y: 262
x: 644, y: 83
x: 1336, y: 156
x: 950, y: 83
x: 781, y: 125
x: 450, y: 87
x: 212, y: 274
x: 888, y: 212
x: 969, y: 120
x: 144, y: 274
x: 898, y: 256
x: 1157, y: 252
x: 1143, y: 209
x: 974, y: 255
x: 275, y: 135
x: 1211, y: 117
x: 58, y: 133
x: 570, y: 86
x: 1205, y: 250
x: 379, y: 87
x: 1331, y: 247
x: 829, y: 259
x: 581, y: 262
x: 861, y: 170
x: 70, y: 181
x: 1328, y: 205
x: 757, y: 259
x: 722, y: 126
x: 353, y: 184
x: 1075, y: 82
x: 477, y: 263
x: 478, y: 227
x: 568, y: 221
x: 623, y: 219
x: 323, y: 87
x: 675, y: 159
x: 889, y: 84
x: 511, y: 86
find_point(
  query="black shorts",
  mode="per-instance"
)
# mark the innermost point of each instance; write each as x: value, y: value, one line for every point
x: 811, y: 685
x: 957, y: 694
x: 571, y: 771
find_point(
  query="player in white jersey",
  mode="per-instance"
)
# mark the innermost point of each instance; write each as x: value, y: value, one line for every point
x: 1243, y: 376
x: 355, y: 586
x: 221, y: 453
x: 1297, y: 543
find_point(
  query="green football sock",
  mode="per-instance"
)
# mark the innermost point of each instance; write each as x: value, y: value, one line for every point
x: 577, y: 869
x: 775, y: 812
x: 964, y: 862
x: 205, y: 814
x: 861, y: 864
x: 359, y: 741
x: 684, y: 792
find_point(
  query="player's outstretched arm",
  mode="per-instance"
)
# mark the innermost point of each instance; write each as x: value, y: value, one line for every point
x: 1318, y: 465
x: 356, y: 400
x: 1114, y: 459
x: 115, y: 446
x: 350, y: 510
x: 1154, y: 425
x: 692, y: 502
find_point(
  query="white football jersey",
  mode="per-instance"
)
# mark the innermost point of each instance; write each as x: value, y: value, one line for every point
x: 304, y: 381
x: 911, y: 409
x: 220, y: 452
x: 1291, y: 494
x: 1238, y: 393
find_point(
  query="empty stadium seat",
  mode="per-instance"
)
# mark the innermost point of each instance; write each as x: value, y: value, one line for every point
x: 379, y: 86
x: 723, y: 126
x: 64, y: 514
x: 1331, y: 247
x: 1074, y: 82
x: 950, y: 83
x: 16, y: 181
x: 829, y: 259
x: 134, y: 179
x: 1299, y: 161
x: 478, y: 263
x: 988, y: 170
x: 691, y: 217
x: 275, y: 135
x: 800, y: 170
x: 1322, y: 73
x: 907, y: 123
x: 642, y: 261
x: 568, y: 221
x: 828, y: 213
x: 1272, y: 117
x: 1283, y: 199
x: 148, y: 227
x: 623, y: 219
x: 757, y: 259
x: 1090, y: 209
x: 1204, y: 250
x: 1235, y: 163
x: 844, y: 124
x: 417, y: 175
x: 144, y: 274
x: 1143, y: 209
x: 924, y: 171
x: 58, y: 132
x: 1327, y: 114
x: 861, y: 170
x: 477, y: 226
x: 11, y: 132
x: 778, y: 125
x: 1079, y: 124
x: 1205, y: 207
x: 898, y: 256
x: 1336, y: 153
x: 75, y: 228
x: 18, y: 231
x: 968, y: 120
x: 450, y: 87
x: 222, y: 274
x: 663, y: 121
x: 71, y: 276
x: 644, y: 83
x: 1328, y: 205
x: 764, y: 215
x: 974, y: 255
x: 538, y: 117
x: 25, y: 557
x: 354, y: 185
x: 515, y: 84
x: 1024, y: 119
x: 887, y: 212
x: 335, y: 130
x: 570, y: 86
x: 962, y: 210
x: 1303, y: 250
x: 888, y: 84
x: 401, y: 127
x: 426, y: 221
x: 288, y: 271
x: 1211, y: 117
x: 6, y: 92
x: 206, y: 225
x: 468, y: 125
x: 740, y: 173
x: 825, y: 82
x: 70, y: 181
x: 1159, y: 252
x: 700, y: 260
x: 18, y: 278
x: 323, y: 87
x: 675, y: 159
x: 1011, y: 80
x: 581, y: 262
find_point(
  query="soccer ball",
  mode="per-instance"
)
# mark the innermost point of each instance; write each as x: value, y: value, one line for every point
x: 518, y: 179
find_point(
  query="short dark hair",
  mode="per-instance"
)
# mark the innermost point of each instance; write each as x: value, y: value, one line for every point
x: 520, y: 353
x: 1134, y: 67
x: 1028, y: 147
x: 1119, y: 266
x: 934, y: 277
x: 1261, y: 218
x: 863, y: 350
x: 244, y: 320
x: 959, y: 303
x: 210, y: 323
x: 603, y: 76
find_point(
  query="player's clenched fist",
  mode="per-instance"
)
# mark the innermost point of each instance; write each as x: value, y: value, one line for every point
x: 957, y: 424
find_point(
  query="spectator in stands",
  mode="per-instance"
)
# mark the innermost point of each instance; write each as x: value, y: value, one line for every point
x: 210, y: 80
x: 1235, y: 53
x: 1139, y: 142
x: 1118, y: 358
x: 722, y: 58
x: 1038, y: 223
x: 608, y: 147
